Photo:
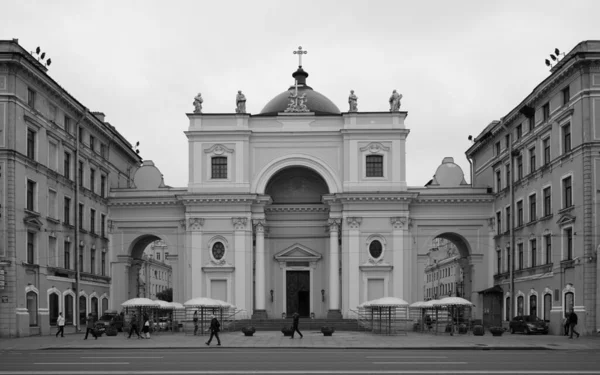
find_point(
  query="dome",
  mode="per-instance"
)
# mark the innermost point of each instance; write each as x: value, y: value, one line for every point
x: 316, y: 102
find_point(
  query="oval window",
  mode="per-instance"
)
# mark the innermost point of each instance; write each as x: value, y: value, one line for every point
x: 218, y: 251
x: 375, y: 249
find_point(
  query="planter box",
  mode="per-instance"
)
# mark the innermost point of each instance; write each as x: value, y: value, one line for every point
x: 496, y: 331
x: 478, y: 330
x: 248, y: 331
x: 287, y: 331
x: 327, y: 331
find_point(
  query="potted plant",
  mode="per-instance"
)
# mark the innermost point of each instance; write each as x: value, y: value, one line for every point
x: 249, y: 330
x: 287, y: 331
x: 478, y: 330
x: 327, y: 331
x: 496, y: 330
x: 462, y: 328
x: 111, y: 331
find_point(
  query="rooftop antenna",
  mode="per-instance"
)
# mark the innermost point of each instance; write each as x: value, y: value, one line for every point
x: 40, y: 56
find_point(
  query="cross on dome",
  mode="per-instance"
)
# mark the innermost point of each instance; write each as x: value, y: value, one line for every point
x: 300, y: 52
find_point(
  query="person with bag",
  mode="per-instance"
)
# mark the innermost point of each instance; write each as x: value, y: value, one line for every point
x: 60, y: 321
x: 146, y: 329
x: 195, y: 319
x: 133, y: 327
x: 573, y: 323
x: 89, y: 323
x: 215, y: 327
x: 295, y: 329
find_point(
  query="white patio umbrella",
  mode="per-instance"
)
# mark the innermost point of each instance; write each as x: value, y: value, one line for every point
x: 176, y: 305
x: 454, y: 301
x: 163, y: 305
x: 388, y: 302
x: 417, y: 305
x: 139, y: 302
x: 202, y: 302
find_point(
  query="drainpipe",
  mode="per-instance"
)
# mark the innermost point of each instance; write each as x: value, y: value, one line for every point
x: 511, y: 266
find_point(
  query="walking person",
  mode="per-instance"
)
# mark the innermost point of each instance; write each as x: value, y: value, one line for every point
x: 195, y: 319
x: 295, y: 329
x: 133, y: 327
x: 89, y: 323
x: 573, y: 323
x: 215, y: 327
x: 146, y: 329
x: 566, y: 325
x: 61, y: 325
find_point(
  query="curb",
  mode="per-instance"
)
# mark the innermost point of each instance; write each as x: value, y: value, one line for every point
x: 478, y: 347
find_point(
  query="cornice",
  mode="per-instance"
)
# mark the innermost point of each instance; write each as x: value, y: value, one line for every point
x: 454, y: 200
x: 287, y: 208
x: 121, y: 202
x: 376, y: 197
x: 221, y: 199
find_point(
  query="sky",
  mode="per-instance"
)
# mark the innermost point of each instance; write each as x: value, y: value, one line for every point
x: 458, y: 64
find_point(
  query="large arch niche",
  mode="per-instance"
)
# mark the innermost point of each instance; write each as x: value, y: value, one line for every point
x: 136, y: 252
x: 296, y: 185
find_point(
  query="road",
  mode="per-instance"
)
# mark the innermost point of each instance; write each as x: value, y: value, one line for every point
x: 221, y: 360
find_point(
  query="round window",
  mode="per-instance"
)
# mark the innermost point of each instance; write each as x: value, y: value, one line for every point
x: 375, y: 249
x: 218, y: 251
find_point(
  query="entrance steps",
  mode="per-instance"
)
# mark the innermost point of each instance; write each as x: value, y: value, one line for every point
x: 306, y: 324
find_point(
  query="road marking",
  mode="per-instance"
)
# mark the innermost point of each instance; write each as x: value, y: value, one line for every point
x: 128, y: 357
x: 420, y: 363
x: 357, y: 372
x: 405, y: 357
x: 81, y: 363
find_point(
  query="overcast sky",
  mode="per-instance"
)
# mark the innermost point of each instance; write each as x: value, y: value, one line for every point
x: 458, y: 64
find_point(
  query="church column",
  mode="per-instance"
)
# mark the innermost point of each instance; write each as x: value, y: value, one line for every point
x: 353, y: 260
x: 240, y: 282
x: 195, y: 256
x: 334, y: 264
x: 259, y: 308
x: 398, y: 254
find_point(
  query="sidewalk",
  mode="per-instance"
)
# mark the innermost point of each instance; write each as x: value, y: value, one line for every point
x: 312, y: 339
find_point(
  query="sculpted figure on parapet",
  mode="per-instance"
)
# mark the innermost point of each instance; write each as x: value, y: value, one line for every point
x: 240, y: 102
x: 353, y: 102
x: 198, y: 103
x: 395, y: 101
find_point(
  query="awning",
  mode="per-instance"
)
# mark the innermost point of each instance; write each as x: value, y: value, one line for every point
x: 495, y: 289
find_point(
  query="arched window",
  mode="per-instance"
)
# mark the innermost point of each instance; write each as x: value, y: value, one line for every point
x: 533, y: 305
x: 547, y: 306
x: 32, y: 308
x: 507, y: 309
x: 104, y: 305
x: 53, y: 302
x: 218, y: 250
x: 94, y: 307
x: 569, y: 302
x: 520, y: 305
x: 375, y: 249
x: 82, y: 309
x: 68, y: 309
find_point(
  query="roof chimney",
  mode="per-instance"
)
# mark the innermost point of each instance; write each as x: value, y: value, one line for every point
x: 99, y: 115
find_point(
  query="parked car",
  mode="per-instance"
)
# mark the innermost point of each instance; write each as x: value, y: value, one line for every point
x: 528, y: 324
x: 108, y: 319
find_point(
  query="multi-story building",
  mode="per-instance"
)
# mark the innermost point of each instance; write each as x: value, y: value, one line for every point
x: 542, y: 160
x: 443, y: 273
x: 155, y: 272
x: 58, y: 162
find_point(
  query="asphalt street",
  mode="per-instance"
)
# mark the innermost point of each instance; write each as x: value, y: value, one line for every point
x: 221, y: 360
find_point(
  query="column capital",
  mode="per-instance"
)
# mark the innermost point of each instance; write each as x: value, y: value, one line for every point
x: 259, y: 226
x: 195, y: 223
x: 334, y: 224
x: 398, y: 222
x: 239, y: 223
x: 354, y: 222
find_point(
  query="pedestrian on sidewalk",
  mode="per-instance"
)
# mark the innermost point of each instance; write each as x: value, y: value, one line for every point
x: 573, y: 323
x: 89, y: 323
x: 215, y: 327
x: 133, y: 327
x: 296, y: 321
x: 146, y: 329
x: 566, y: 325
x: 195, y: 319
x: 61, y: 325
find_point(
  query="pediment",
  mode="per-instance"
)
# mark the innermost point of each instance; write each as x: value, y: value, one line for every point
x: 33, y: 222
x: 565, y: 220
x: 297, y: 253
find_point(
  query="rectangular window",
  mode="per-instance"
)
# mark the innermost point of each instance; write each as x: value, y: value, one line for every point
x: 498, y: 261
x: 497, y: 146
x: 567, y: 192
x: 53, y: 156
x: 520, y: 215
x: 519, y: 131
x: 103, y: 264
x: 80, y: 266
x: 531, y: 123
x: 569, y: 243
x: 80, y: 134
x: 507, y: 141
x: 508, y: 259
x: 521, y: 256
x: 546, y: 111
x: 533, y: 245
x: 508, y: 221
x: 566, y: 138
x: 52, y: 204
x: 68, y: 125
x: 30, y: 247
x: 31, y: 98
x: 533, y: 207
x: 67, y: 255
x: 52, y: 254
x: 31, y: 186
x: 508, y: 180
x: 80, y: 216
x: 80, y: 172
x: 519, y: 167
x: 566, y: 94
x: 92, y: 143
x: 548, y: 243
x: 375, y: 166
x: 93, y: 180
x: 547, y: 201
x: 52, y: 112
x: 103, y: 225
x: 103, y: 186
x: 219, y: 167
x: 498, y: 181
x: 67, y: 166
x: 92, y: 260
x: 31, y: 144
x: 103, y: 150
x: 499, y: 222
x: 546, y: 145
x: 67, y: 211
x: 92, y: 220
x: 532, y: 160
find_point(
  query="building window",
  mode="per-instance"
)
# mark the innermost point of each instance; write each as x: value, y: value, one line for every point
x: 507, y: 309
x: 533, y: 245
x: 80, y: 134
x: 519, y: 167
x: 507, y: 141
x: 375, y: 249
x: 82, y: 310
x: 547, y: 201
x: 497, y: 147
x: 94, y: 307
x: 31, y: 98
x: 548, y: 243
x: 53, y: 156
x: 52, y: 204
x: 218, y: 250
x: 32, y: 308
x: 30, y: 247
x: 92, y: 220
x: 569, y: 302
x: 509, y: 260
x: 531, y: 122
x: 499, y: 222
x: 567, y: 192
x: 103, y: 225
x: 80, y: 172
x: 67, y: 211
x: 68, y: 309
x: 533, y: 305
x: 219, y: 167
x: 498, y: 181
x: 532, y: 160
x: 520, y: 305
x: 31, y: 186
x: 80, y: 213
x: 519, y: 131
x: 92, y: 143
x: 103, y: 264
x: 547, y: 306
x: 92, y: 261
x: 520, y: 261
x: 566, y: 138
x: 374, y: 166
x: 68, y: 125
x: 53, y: 308
x: 568, y: 243
x: 546, y: 145
x: 499, y: 261
x: 509, y: 223
x: 31, y: 143
x: 80, y: 261
x: 103, y: 150
x: 67, y: 255
x: 532, y: 207
x: 520, y: 215
x: 546, y: 111
x: 566, y: 94
x: 93, y: 180
x: 67, y: 166
x: 52, y: 112
x: 52, y: 252
x: 103, y: 186
x: 508, y: 180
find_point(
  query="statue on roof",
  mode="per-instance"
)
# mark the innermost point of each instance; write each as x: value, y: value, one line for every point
x: 198, y: 103
x: 353, y: 102
x: 395, y: 101
x: 302, y: 99
x: 240, y: 102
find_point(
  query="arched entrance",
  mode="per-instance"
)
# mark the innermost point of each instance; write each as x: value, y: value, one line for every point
x: 137, y: 279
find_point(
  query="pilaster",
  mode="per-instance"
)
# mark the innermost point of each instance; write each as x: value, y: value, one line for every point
x: 398, y: 227
x: 352, y: 292
x: 195, y: 251
x: 240, y: 261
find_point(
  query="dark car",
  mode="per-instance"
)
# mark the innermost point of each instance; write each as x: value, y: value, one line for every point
x: 110, y: 318
x: 528, y: 324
